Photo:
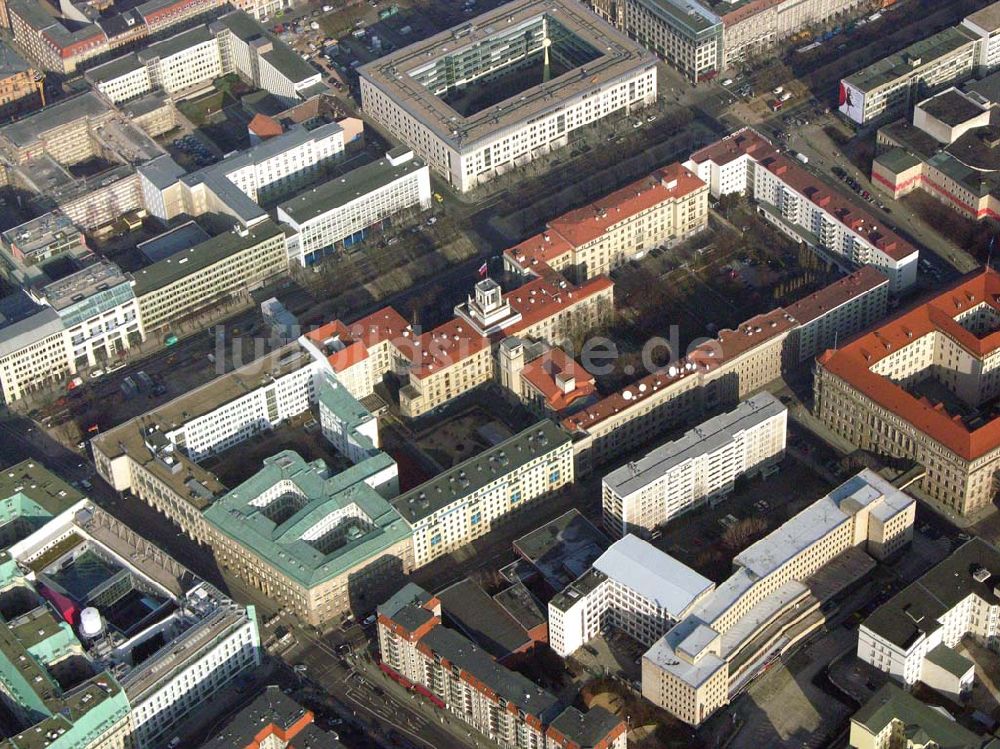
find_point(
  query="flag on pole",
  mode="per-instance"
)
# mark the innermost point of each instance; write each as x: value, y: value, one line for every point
x: 483, y: 269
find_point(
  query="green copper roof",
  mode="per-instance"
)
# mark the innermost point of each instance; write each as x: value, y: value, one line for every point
x: 891, y: 703
x: 279, y: 541
x: 31, y: 493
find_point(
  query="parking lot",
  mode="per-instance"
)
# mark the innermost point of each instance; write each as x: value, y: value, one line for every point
x: 708, y: 538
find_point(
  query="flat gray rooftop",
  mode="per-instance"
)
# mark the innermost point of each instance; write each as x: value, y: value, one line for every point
x: 393, y: 72
x: 340, y: 191
x: 85, y: 282
x: 27, y: 130
x: 471, y: 475
x: 707, y: 437
x: 653, y: 574
x: 911, y: 59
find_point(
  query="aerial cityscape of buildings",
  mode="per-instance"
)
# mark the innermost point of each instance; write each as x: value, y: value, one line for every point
x: 534, y: 374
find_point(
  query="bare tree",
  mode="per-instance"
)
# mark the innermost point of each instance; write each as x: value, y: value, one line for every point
x: 739, y: 535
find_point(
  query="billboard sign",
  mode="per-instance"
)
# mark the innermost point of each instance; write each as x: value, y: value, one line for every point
x: 852, y: 102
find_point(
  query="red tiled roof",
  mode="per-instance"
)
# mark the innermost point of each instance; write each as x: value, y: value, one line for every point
x: 536, y: 300
x: 538, y: 249
x: 585, y: 224
x: 359, y: 336
x: 839, y: 292
x: 588, y: 223
x: 445, y: 345
x: 264, y: 127
x: 729, y: 345
x: 542, y: 373
x: 730, y: 148
x: 544, y: 297
x: 853, y: 362
x: 849, y: 211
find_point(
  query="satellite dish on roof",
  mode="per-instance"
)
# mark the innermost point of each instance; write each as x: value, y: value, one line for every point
x: 627, y: 395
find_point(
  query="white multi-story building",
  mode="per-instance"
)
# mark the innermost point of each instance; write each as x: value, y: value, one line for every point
x: 778, y: 586
x: 689, y: 35
x: 444, y: 96
x: 99, y: 313
x: 888, y: 87
x: 287, y: 390
x: 836, y: 312
x: 261, y: 58
x: 985, y: 24
x: 633, y: 587
x: 913, y: 636
x: 237, y: 185
x: 32, y: 348
x: 340, y: 212
x: 150, y: 457
x: 185, y: 62
x: 703, y: 464
x: 463, y: 503
x: 457, y: 675
x: 52, y: 331
x: 841, y: 229
x: 171, y: 640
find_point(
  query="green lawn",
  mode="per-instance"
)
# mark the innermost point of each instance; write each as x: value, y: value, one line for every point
x: 200, y: 109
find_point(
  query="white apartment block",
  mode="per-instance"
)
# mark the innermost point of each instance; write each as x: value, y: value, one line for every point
x: 191, y: 60
x: 182, y: 64
x: 407, y: 91
x: 837, y: 312
x: 259, y: 57
x: 463, y: 503
x: 841, y: 229
x: 701, y: 466
x: 809, y: 213
x: 632, y: 587
x: 985, y: 24
x: 913, y: 636
x: 275, y: 166
x: 280, y: 396
x: 888, y: 87
x: 706, y: 658
x: 186, y: 61
x: 237, y: 185
x: 341, y: 211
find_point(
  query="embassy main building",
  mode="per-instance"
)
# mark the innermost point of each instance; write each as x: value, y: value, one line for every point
x: 506, y: 87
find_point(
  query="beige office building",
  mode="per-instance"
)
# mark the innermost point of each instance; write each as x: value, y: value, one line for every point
x: 717, y: 374
x: 772, y: 600
x: 33, y: 354
x: 668, y: 206
x: 225, y: 267
x: 754, y: 28
x: 874, y: 391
